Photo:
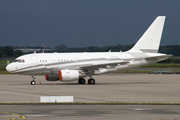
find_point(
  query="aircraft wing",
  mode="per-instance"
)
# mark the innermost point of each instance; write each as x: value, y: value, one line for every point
x: 88, y: 66
x: 102, y: 65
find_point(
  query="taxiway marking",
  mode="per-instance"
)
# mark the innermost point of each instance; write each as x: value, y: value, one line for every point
x: 21, y: 116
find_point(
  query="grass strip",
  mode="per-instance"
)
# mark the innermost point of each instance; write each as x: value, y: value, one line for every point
x: 135, y: 71
x: 4, y: 72
x: 171, y: 65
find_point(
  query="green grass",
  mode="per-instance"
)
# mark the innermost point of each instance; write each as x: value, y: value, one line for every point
x: 135, y: 71
x: 4, y: 72
x: 3, y: 64
x: 162, y: 65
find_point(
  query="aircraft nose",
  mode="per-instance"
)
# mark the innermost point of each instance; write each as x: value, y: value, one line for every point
x: 9, y: 68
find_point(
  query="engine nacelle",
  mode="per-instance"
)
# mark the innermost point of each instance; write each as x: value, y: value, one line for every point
x: 68, y: 75
x: 52, y: 77
x: 64, y: 75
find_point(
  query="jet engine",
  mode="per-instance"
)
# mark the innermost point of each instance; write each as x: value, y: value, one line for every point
x: 65, y: 75
x: 52, y: 77
x: 68, y: 75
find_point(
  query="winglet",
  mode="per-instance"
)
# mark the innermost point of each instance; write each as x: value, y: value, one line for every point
x: 150, y: 40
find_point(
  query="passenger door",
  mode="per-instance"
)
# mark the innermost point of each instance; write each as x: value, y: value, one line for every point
x: 34, y: 60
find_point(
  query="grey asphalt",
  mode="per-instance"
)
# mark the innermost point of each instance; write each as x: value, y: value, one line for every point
x: 148, y: 88
x: 90, y: 112
x: 136, y: 88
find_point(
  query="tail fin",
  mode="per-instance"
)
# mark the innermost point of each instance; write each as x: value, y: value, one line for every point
x: 150, y: 40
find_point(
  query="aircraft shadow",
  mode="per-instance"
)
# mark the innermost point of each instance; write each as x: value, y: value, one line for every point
x: 114, y: 83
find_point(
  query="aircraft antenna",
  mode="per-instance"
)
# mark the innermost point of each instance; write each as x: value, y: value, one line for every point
x: 43, y: 45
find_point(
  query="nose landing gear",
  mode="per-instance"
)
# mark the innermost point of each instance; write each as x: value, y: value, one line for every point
x: 33, y: 80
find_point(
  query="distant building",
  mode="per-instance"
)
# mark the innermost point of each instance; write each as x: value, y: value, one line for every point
x: 60, y: 47
x: 32, y: 50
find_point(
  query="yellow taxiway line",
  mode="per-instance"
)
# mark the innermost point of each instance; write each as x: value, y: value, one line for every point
x: 21, y: 116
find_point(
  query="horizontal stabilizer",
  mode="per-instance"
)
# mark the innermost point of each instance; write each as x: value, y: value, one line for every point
x: 159, y: 58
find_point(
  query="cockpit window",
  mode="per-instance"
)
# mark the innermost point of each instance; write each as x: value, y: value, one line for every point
x: 19, y: 60
x: 15, y: 60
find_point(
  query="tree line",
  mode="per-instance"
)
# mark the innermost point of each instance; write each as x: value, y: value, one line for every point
x: 8, y: 51
x: 169, y: 49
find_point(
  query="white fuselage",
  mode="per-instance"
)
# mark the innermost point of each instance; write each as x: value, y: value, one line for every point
x: 50, y: 63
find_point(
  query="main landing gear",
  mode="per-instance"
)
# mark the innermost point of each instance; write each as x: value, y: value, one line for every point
x: 33, y: 80
x: 81, y: 81
x: 90, y: 81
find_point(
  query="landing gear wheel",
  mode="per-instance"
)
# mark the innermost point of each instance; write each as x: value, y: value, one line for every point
x: 81, y: 81
x: 91, y: 81
x: 33, y: 82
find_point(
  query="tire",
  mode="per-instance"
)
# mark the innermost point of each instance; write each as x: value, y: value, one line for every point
x: 81, y: 81
x: 91, y: 81
x: 33, y: 82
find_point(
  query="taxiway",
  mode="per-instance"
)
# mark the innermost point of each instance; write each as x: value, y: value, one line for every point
x: 143, y: 88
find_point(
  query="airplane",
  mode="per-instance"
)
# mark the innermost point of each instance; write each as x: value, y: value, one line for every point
x: 68, y: 67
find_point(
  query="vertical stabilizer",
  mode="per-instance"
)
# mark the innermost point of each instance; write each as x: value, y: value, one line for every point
x: 150, y: 40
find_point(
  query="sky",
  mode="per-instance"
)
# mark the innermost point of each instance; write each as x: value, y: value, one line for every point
x: 82, y: 23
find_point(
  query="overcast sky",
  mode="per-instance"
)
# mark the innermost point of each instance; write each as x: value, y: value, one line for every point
x: 79, y: 23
